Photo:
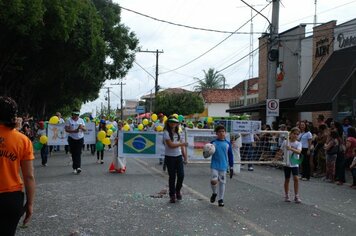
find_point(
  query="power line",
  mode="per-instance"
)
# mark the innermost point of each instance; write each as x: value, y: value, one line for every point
x: 189, y: 62
x: 185, y: 26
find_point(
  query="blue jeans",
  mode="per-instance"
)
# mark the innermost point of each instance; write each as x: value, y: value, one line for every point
x: 175, y: 169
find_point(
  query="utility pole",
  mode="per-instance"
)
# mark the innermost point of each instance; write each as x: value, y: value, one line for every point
x: 108, y: 98
x: 121, y: 100
x: 156, y: 79
x: 273, y: 56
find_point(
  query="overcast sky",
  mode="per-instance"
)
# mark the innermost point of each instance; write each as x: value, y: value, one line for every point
x: 187, y: 52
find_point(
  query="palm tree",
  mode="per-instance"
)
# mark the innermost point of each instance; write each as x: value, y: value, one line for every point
x: 212, y: 80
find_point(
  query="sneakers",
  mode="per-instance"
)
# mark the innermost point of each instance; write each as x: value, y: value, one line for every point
x: 250, y: 168
x: 221, y: 203
x: 97, y: 162
x: 173, y: 199
x: 286, y: 198
x: 75, y: 171
x: 79, y: 170
x: 297, y: 199
x: 101, y: 162
x: 213, y: 197
x: 179, y: 196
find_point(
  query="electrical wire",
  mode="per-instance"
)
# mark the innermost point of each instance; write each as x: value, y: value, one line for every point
x: 186, y: 26
x: 189, y: 62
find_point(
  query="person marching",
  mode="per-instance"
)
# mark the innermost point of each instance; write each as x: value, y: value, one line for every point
x: 102, y: 126
x: 294, y: 149
x: 44, y: 150
x: 220, y: 160
x: 175, y: 156
x: 75, y: 128
x: 16, y: 157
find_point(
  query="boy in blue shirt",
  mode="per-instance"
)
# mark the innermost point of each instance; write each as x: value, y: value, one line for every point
x: 219, y: 163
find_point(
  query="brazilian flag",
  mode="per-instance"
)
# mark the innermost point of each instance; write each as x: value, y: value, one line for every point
x: 139, y: 143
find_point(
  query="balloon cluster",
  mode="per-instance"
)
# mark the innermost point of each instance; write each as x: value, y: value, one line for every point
x: 104, y: 137
x: 43, y: 140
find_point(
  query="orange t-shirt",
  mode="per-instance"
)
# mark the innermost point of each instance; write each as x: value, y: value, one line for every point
x: 14, y: 148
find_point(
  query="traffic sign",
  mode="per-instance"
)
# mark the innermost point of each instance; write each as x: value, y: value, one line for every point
x: 272, y: 107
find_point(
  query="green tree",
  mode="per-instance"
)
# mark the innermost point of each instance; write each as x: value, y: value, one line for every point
x: 212, y: 80
x: 181, y: 103
x: 54, y: 53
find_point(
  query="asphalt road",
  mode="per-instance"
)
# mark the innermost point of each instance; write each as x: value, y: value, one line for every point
x: 97, y: 202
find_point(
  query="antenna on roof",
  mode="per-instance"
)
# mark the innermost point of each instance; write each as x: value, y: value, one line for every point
x: 315, y: 7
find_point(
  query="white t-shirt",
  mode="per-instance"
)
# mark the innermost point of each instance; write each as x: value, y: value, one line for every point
x: 304, y: 139
x: 74, y: 125
x: 296, y: 145
x: 172, y: 151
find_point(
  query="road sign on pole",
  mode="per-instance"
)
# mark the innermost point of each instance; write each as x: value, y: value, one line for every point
x: 272, y: 107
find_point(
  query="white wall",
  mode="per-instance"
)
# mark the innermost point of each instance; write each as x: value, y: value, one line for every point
x: 306, y: 68
x: 218, y: 109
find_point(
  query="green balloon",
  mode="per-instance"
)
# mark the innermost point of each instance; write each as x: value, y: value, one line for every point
x: 113, y: 129
x: 180, y: 118
x: 295, y: 161
x: 99, y: 146
x: 37, y: 145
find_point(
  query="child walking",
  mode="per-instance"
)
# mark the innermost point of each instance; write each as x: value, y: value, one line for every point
x: 175, y: 156
x: 220, y: 160
x: 294, y: 149
x: 44, y: 150
x: 100, y: 154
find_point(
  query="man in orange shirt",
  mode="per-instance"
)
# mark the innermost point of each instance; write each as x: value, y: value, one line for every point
x: 16, y: 156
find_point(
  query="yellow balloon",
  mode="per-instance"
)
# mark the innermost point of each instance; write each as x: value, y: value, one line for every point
x: 140, y: 127
x: 43, y: 139
x: 165, y: 118
x: 175, y: 115
x: 210, y: 120
x: 126, y: 127
x: 159, y: 128
x: 106, y: 141
x: 154, y: 117
x: 101, y: 135
x: 109, y: 126
x: 109, y: 132
x: 145, y: 122
x: 53, y: 120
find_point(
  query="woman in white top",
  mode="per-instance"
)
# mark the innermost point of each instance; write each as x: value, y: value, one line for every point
x: 75, y: 128
x: 174, y: 154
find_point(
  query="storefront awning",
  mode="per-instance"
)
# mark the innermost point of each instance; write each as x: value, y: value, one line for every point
x: 332, y: 77
x: 284, y: 104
